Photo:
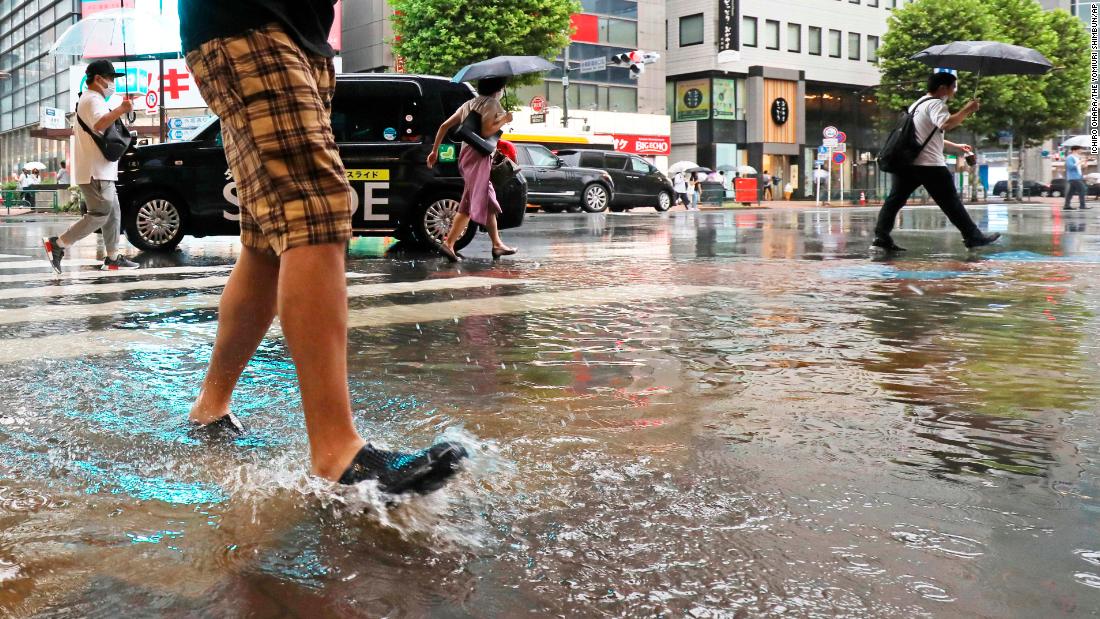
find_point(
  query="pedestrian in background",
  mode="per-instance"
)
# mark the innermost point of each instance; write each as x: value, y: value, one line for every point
x: 1075, y: 180
x: 95, y: 175
x: 766, y: 183
x: 25, y: 182
x: 266, y: 70
x: 479, y: 197
x: 695, y: 187
x: 63, y: 175
x: 680, y: 186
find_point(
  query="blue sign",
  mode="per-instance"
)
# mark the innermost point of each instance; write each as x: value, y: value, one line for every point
x: 823, y: 150
x: 390, y: 134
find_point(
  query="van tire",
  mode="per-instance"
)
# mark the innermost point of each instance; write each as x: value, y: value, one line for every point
x: 433, y: 220
x: 156, y: 221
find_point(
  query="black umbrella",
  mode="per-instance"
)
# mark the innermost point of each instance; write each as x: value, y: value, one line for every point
x: 503, y: 66
x: 985, y: 57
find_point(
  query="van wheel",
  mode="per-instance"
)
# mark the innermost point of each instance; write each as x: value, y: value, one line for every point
x: 664, y: 202
x: 1003, y: 194
x: 155, y: 222
x: 434, y: 222
x: 595, y: 198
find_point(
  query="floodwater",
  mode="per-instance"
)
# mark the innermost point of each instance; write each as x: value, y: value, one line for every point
x: 730, y: 414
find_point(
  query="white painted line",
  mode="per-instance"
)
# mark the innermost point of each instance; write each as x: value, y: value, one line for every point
x: 42, y: 264
x: 74, y: 275
x: 16, y: 256
x: 91, y: 343
x: 149, y: 284
x: 49, y: 313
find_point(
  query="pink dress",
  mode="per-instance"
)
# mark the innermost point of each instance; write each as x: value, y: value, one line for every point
x: 479, y: 198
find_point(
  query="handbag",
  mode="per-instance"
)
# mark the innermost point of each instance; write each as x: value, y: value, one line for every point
x: 115, y: 140
x: 469, y: 132
x: 503, y: 171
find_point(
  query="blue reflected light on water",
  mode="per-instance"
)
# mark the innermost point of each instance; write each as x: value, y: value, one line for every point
x: 885, y: 272
x: 147, y: 488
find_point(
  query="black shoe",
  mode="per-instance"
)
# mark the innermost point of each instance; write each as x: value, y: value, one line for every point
x: 886, y: 245
x: 497, y: 253
x: 54, y: 253
x: 1068, y: 208
x: 397, y: 473
x: 449, y: 253
x: 226, y: 427
x: 982, y: 241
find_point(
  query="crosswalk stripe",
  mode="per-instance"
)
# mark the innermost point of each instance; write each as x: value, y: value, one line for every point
x: 48, y: 313
x: 75, y: 275
x: 42, y: 264
x: 15, y: 256
x: 90, y: 343
x: 151, y: 284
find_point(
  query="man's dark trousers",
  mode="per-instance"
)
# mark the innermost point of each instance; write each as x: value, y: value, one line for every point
x: 939, y: 183
x: 1076, y: 186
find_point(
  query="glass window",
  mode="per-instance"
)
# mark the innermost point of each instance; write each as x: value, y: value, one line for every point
x: 815, y: 40
x: 872, y: 2
x: 540, y: 156
x: 691, y: 30
x: 834, y: 43
x: 622, y: 99
x: 617, y: 8
x: 616, y: 162
x: 872, y: 48
x: 893, y: 4
x: 853, y: 45
x: 748, y: 31
x: 618, y: 32
x: 854, y: 1
x: 771, y: 34
x: 640, y: 165
x: 372, y: 111
x: 794, y: 37
x: 591, y: 160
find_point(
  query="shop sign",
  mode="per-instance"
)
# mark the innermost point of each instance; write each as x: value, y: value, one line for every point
x: 650, y: 145
x: 781, y: 111
x: 538, y: 119
x: 52, y: 118
x: 728, y: 22
x: 725, y: 99
x: 142, y: 78
x: 693, y: 100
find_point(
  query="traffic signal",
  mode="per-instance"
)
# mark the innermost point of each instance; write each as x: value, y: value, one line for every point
x: 636, y: 60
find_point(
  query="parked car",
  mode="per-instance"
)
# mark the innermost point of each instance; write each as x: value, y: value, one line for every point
x: 637, y: 182
x: 1031, y: 188
x: 384, y: 126
x: 1058, y: 188
x: 555, y: 186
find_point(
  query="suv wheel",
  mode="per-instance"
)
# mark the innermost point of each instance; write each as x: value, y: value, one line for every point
x: 595, y: 198
x: 664, y: 202
x: 155, y: 223
x: 434, y: 222
x: 1056, y: 194
x: 1003, y: 194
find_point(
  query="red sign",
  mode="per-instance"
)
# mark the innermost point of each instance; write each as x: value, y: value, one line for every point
x: 840, y: 137
x: 642, y: 144
x: 838, y: 158
x: 538, y: 105
x: 744, y: 190
x: 586, y: 28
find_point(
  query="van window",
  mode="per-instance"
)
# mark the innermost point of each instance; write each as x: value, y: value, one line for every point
x: 591, y: 160
x: 640, y: 165
x: 570, y: 159
x: 376, y: 111
x: 616, y: 162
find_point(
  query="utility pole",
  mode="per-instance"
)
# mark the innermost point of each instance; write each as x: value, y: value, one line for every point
x: 565, y: 90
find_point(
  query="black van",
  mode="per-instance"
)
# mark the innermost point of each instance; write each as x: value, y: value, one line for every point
x: 637, y: 182
x: 384, y: 125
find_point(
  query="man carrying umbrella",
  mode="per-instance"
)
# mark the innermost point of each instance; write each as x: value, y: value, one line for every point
x: 1075, y: 183
x: 929, y: 170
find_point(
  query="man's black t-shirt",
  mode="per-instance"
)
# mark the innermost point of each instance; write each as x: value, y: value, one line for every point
x: 308, y: 21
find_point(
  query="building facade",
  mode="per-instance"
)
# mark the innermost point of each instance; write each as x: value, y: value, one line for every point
x: 37, y: 80
x: 753, y: 82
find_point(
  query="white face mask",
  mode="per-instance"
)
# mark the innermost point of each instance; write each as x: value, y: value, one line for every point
x: 109, y: 90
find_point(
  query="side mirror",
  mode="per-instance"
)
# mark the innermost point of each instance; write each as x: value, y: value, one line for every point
x: 558, y: 163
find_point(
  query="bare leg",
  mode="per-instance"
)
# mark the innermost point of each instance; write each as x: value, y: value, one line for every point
x: 313, y: 310
x: 244, y: 315
x: 494, y: 233
x: 458, y: 228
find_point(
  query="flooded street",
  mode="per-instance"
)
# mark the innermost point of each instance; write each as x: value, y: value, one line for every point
x: 717, y: 414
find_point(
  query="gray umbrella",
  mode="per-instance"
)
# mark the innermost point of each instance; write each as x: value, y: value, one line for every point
x: 985, y: 57
x: 503, y: 66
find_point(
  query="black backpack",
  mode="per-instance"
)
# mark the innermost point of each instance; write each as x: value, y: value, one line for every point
x: 115, y: 140
x: 901, y: 147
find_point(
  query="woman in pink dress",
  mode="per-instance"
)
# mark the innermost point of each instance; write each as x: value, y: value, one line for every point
x: 479, y: 199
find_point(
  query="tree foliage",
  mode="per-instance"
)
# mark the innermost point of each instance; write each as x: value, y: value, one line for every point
x: 439, y: 37
x: 1034, y: 107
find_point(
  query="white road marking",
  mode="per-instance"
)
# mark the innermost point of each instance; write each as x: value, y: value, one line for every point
x: 17, y: 256
x: 149, y: 284
x: 93, y: 343
x: 48, y: 313
x: 74, y: 275
x: 42, y: 264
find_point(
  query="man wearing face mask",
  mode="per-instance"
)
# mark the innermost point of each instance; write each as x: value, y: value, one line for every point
x: 95, y: 175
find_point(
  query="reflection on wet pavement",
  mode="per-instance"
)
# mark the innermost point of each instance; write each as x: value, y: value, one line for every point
x: 706, y: 415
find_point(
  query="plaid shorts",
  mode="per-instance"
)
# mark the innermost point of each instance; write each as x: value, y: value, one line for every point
x: 274, y: 100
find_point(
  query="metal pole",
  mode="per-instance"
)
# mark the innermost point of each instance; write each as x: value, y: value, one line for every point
x: 565, y: 90
x: 829, y: 182
x: 163, y: 111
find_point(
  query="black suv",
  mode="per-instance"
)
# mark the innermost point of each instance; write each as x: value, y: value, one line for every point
x: 637, y: 182
x: 1031, y: 189
x: 556, y: 187
x: 1058, y: 188
x: 384, y: 126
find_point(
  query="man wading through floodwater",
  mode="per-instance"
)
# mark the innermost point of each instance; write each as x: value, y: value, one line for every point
x: 931, y: 120
x: 265, y: 68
